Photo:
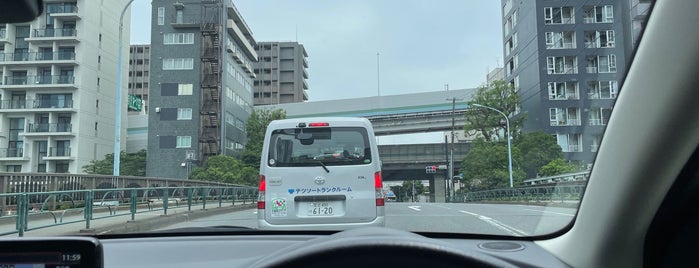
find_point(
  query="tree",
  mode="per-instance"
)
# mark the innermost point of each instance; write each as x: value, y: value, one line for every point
x: 538, y: 149
x: 256, y: 128
x: 486, y: 166
x: 556, y: 167
x: 408, y: 188
x: 130, y: 164
x: 487, y: 123
x: 227, y: 169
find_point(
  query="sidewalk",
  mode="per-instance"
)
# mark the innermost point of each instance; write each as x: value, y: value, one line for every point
x: 145, y: 220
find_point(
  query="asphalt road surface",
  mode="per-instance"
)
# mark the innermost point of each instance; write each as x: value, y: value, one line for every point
x: 497, y: 219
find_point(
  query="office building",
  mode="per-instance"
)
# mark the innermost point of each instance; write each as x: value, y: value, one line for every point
x: 565, y: 59
x: 58, y: 74
x: 281, y: 73
x: 202, y: 53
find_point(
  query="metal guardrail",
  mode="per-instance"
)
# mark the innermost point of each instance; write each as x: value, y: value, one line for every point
x: 66, y: 207
x: 551, y: 193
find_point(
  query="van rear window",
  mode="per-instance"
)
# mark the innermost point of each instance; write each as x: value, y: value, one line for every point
x: 333, y: 146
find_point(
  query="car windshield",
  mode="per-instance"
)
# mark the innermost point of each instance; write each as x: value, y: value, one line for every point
x: 469, y: 117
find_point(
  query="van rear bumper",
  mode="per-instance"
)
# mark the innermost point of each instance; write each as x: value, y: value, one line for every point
x: 264, y: 225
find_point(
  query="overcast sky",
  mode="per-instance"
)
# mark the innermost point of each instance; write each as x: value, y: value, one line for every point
x: 422, y: 45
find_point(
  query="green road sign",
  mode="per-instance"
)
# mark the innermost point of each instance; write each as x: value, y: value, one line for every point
x: 135, y: 103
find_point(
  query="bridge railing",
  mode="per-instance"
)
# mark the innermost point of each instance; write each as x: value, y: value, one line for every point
x: 549, y: 193
x: 65, y: 207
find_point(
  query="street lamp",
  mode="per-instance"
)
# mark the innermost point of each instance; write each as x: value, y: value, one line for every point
x: 117, y: 117
x: 509, y: 146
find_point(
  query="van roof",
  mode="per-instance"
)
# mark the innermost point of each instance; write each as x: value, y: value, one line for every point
x: 334, y: 121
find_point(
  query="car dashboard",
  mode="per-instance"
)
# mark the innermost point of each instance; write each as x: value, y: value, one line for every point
x: 371, y: 246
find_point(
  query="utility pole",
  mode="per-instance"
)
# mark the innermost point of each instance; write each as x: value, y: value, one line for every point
x: 451, y: 149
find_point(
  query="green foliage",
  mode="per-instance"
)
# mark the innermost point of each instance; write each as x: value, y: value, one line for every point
x: 556, y: 167
x: 130, y: 164
x: 408, y: 187
x: 487, y: 123
x: 227, y: 169
x: 486, y: 166
x: 256, y: 128
x: 538, y: 149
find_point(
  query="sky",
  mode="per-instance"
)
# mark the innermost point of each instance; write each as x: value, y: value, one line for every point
x: 422, y: 45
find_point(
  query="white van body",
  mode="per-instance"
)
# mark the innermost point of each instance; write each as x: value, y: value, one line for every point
x: 320, y: 173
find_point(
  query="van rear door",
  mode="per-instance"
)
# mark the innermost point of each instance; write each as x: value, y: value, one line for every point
x: 320, y: 174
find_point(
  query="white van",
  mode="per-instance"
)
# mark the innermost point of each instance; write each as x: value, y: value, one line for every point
x: 320, y: 173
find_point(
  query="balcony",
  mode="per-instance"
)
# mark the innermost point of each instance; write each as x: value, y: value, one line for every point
x: 37, y: 81
x: 591, y: 69
x: 49, y: 128
x: 53, y: 104
x: 58, y: 153
x: 574, y: 148
x: 595, y: 122
x: 37, y: 57
x: 53, y: 34
x: 65, y: 11
x: 594, y: 148
x: 305, y: 74
x: 305, y: 63
x: 566, y: 122
x: 11, y: 153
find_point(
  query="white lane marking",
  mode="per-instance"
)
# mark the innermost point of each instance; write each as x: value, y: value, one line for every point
x: 564, y: 214
x: 469, y: 213
x: 497, y: 224
x: 416, y: 208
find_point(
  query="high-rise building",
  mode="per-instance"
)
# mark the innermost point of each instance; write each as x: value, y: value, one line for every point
x: 139, y: 75
x: 565, y: 59
x: 201, y: 74
x: 57, y: 109
x: 281, y: 73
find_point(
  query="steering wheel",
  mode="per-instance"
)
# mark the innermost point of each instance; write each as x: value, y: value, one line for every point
x: 378, y: 247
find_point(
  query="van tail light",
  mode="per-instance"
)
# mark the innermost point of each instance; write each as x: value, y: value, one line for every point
x: 378, y: 187
x: 261, y: 193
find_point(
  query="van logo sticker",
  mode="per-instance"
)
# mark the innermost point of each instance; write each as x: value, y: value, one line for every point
x: 291, y: 190
x: 321, y: 190
x: 278, y: 207
x: 274, y: 181
x: 272, y: 162
x: 361, y: 177
x: 319, y: 180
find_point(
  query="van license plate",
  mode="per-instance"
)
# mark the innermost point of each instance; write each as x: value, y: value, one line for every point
x: 320, y: 209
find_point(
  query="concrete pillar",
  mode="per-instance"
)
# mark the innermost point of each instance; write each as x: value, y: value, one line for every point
x: 438, y: 189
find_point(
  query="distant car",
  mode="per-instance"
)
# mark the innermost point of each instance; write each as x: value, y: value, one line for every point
x: 320, y: 173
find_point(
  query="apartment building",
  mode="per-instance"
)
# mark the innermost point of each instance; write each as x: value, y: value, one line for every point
x: 201, y: 84
x: 281, y: 73
x: 57, y: 91
x: 565, y: 59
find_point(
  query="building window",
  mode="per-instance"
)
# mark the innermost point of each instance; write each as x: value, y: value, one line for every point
x: 599, y: 39
x: 178, y: 64
x: 563, y: 91
x: 184, y: 113
x: 161, y: 16
x: 178, y: 38
x: 602, y: 89
x: 564, y: 116
x: 559, y: 40
x: 562, y: 65
x: 601, y: 64
x: 184, y: 89
x: 598, y: 14
x: 184, y: 142
x: 62, y: 167
x: 13, y: 168
x: 559, y: 15
x: 570, y: 142
x: 599, y: 116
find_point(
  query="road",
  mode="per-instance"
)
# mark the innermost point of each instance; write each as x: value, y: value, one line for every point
x: 497, y: 219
